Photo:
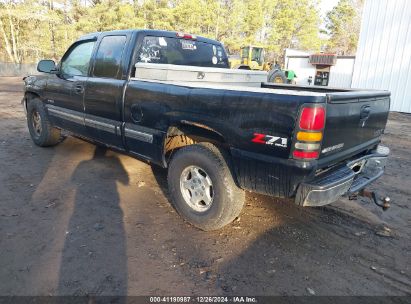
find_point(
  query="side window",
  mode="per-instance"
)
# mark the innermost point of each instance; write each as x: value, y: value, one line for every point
x: 108, y: 57
x: 78, y: 60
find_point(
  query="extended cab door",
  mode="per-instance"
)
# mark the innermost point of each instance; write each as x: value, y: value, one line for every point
x: 65, y: 90
x: 104, y: 90
x: 144, y: 128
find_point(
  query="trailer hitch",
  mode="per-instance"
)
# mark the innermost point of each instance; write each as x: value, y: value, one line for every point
x: 372, y: 195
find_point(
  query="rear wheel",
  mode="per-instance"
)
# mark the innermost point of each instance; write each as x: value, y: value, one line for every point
x: 202, y: 187
x: 41, y: 131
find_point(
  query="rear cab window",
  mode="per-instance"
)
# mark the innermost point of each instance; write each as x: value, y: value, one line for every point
x: 166, y: 50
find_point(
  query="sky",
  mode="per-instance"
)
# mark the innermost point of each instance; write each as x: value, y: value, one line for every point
x: 326, y: 6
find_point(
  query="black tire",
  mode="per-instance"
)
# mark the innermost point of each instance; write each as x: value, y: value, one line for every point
x: 277, y: 76
x: 227, y: 198
x: 41, y: 130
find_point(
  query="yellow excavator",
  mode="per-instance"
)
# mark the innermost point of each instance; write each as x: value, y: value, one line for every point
x: 252, y: 58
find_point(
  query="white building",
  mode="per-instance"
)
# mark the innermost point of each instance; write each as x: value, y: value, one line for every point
x: 337, y: 72
x: 383, y: 59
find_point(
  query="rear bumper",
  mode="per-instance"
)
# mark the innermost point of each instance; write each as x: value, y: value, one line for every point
x: 349, y: 178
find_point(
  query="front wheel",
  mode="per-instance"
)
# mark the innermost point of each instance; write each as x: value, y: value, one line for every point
x: 202, y: 187
x: 41, y: 131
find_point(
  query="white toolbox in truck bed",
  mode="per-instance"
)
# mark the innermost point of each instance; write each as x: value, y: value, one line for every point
x: 197, y: 75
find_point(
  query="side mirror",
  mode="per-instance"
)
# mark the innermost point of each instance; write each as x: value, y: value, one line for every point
x: 46, y: 66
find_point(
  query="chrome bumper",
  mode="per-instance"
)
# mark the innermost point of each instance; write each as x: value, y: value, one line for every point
x: 346, y: 179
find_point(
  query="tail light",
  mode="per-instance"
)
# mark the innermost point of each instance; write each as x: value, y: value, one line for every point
x: 305, y: 154
x: 309, y: 136
x: 186, y: 36
x: 309, y: 133
x: 312, y: 118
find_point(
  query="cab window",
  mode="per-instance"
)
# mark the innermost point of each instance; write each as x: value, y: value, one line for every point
x: 245, y: 52
x: 77, y: 62
x: 108, y: 57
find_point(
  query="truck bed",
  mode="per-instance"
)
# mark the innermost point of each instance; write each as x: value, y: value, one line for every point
x: 345, y: 133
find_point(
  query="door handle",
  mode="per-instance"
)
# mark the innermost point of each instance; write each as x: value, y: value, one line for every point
x: 79, y: 89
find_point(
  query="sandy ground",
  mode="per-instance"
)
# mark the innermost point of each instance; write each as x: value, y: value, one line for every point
x: 76, y: 219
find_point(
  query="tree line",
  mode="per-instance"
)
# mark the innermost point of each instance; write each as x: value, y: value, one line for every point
x: 31, y: 30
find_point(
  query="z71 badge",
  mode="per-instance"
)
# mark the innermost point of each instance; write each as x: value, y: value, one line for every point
x: 270, y: 140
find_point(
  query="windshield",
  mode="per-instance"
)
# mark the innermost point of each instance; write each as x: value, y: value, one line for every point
x: 182, y: 52
x: 256, y: 55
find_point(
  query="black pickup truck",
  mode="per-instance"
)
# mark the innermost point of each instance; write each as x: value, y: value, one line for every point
x: 311, y: 143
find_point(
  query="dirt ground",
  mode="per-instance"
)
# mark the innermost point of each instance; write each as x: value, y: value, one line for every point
x: 76, y: 219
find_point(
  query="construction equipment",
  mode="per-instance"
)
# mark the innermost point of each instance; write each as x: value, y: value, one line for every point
x: 252, y: 58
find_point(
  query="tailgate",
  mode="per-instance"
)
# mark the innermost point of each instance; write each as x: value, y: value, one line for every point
x: 354, y: 119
